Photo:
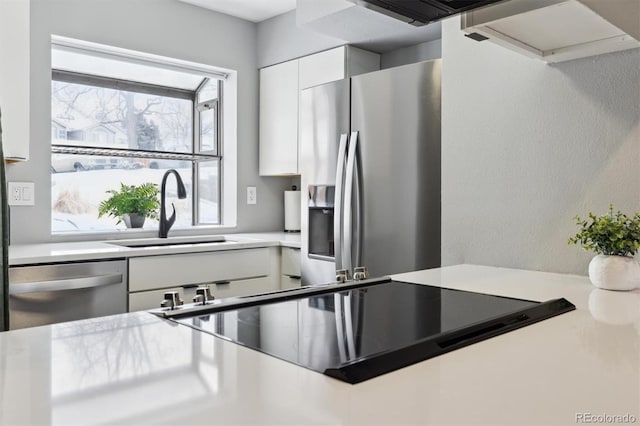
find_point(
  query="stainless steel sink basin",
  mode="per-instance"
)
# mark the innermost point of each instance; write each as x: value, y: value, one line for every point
x: 171, y: 241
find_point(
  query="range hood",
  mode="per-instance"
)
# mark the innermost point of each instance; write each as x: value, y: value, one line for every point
x: 422, y: 12
x: 558, y: 30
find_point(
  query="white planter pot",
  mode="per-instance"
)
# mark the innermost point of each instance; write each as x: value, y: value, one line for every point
x: 614, y: 272
x: 133, y: 220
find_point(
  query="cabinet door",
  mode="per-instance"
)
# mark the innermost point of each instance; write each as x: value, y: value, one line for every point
x: 290, y: 266
x: 323, y: 67
x: 336, y: 64
x: 287, y: 282
x: 290, y: 261
x: 14, y: 78
x: 279, y: 119
x: 157, y: 272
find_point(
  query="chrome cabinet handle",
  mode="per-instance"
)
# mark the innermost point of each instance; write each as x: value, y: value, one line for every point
x: 67, y: 284
x: 337, y: 215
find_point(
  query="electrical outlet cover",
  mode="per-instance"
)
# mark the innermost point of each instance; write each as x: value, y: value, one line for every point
x: 21, y: 193
x: 252, y: 195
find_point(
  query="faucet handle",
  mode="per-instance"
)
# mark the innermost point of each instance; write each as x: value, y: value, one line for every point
x: 360, y: 273
x: 171, y: 300
x: 203, y: 295
x: 342, y: 275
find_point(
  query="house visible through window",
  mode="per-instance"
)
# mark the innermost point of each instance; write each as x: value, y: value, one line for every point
x: 114, y: 121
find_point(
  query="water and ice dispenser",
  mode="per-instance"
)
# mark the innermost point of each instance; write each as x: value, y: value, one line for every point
x: 320, y: 205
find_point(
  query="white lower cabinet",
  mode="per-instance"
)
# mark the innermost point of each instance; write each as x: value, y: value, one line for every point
x: 287, y: 281
x: 229, y: 273
x: 290, y: 267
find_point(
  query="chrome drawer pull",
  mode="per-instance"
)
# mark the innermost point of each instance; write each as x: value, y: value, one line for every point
x: 69, y: 284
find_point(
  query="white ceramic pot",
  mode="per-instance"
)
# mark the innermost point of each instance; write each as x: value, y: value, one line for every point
x: 614, y: 272
x: 133, y: 220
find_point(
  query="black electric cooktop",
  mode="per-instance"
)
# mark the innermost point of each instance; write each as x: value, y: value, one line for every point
x: 354, y: 333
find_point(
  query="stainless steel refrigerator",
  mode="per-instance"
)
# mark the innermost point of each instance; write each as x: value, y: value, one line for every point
x: 370, y: 166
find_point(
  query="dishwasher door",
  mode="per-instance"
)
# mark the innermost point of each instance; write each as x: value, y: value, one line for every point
x: 47, y: 294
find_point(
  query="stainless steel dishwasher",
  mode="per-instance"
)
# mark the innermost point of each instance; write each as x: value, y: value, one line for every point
x: 47, y: 294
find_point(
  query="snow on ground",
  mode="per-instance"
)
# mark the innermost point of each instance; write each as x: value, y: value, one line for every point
x: 80, y: 193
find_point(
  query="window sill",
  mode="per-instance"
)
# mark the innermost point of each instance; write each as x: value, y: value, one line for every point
x: 74, y: 236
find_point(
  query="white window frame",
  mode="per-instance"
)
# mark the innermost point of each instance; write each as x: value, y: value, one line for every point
x: 227, y: 129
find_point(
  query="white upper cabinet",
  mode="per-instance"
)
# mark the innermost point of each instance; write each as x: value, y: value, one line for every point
x: 322, y: 67
x: 336, y: 64
x: 278, y: 119
x: 280, y: 87
x: 14, y: 78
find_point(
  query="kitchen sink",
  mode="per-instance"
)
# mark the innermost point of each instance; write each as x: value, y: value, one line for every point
x: 171, y: 241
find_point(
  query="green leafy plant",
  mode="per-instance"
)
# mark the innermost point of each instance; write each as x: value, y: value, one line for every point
x: 611, y: 234
x: 141, y: 199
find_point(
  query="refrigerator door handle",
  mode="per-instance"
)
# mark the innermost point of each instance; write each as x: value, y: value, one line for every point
x: 358, y: 227
x: 348, y: 201
x: 337, y: 204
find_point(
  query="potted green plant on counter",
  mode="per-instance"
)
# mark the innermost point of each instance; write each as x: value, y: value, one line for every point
x: 132, y: 204
x: 615, y: 238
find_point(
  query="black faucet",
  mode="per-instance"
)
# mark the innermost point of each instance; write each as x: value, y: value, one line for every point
x: 166, y: 224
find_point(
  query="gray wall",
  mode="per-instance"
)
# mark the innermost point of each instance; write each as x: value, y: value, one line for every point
x: 163, y: 27
x: 412, y: 54
x: 527, y: 146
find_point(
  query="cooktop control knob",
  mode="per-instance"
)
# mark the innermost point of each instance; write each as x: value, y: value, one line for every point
x: 342, y: 275
x: 360, y: 273
x: 171, y: 300
x: 203, y: 295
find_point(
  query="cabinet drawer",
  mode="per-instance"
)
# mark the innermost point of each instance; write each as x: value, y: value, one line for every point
x: 242, y: 288
x: 148, y: 273
x: 287, y: 282
x: 290, y: 261
x: 151, y: 299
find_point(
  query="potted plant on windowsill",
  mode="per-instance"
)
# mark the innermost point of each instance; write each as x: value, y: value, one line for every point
x: 615, y: 238
x: 132, y: 204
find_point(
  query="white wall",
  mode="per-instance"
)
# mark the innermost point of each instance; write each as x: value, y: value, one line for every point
x: 163, y: 27
x: 526, y: 146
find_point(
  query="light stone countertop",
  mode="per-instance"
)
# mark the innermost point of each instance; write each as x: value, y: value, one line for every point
x: 27, y: 254
x: 136, y: 369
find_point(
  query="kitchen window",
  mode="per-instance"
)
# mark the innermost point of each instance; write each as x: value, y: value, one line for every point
x: 116, y: 121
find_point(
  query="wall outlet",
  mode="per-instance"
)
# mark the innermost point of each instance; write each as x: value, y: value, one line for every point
x: 252, y: 195
x: 21, y: 193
